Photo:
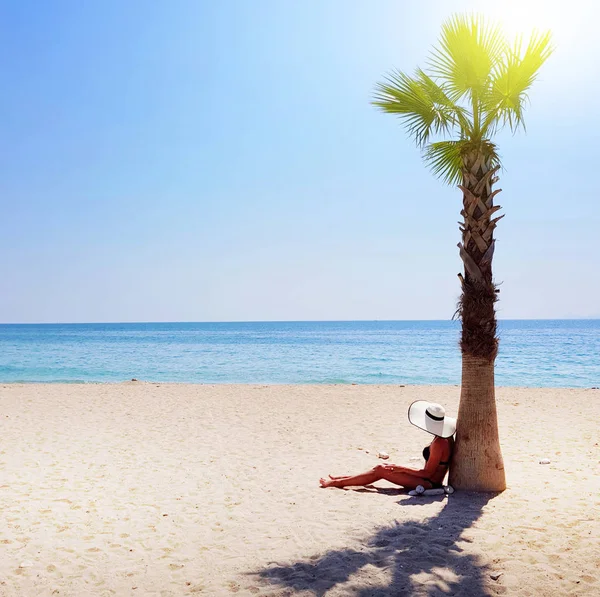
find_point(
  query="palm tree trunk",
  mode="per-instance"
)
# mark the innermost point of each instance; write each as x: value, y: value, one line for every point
x: 477, y: 463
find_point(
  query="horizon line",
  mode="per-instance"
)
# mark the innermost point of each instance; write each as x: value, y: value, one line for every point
x: 291, y: 321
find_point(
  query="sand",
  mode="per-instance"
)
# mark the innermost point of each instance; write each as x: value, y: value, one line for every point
x: 168, y: 489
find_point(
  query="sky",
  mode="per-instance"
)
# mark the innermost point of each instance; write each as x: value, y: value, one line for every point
x: 186, y: 160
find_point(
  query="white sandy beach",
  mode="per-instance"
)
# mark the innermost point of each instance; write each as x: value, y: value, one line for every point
x: 168, y: 490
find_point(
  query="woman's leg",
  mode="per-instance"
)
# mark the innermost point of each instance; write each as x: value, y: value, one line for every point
x: 376, y: 474
x: 336, y: 477
x: 364, y: 479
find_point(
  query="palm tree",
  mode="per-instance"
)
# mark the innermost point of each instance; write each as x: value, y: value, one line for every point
x: 477, y: 84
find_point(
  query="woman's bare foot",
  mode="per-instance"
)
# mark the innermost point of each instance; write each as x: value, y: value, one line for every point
x: 325, y: 483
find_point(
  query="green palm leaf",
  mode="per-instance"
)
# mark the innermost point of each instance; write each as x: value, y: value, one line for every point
x: 423, y: 106
x: 445, y: 160
x: 477, y: 84
x: 512, y: 79
x: 440, y: 96
x: 468, y: 51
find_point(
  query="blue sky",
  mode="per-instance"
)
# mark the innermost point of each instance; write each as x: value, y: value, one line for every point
x: 218, y: 161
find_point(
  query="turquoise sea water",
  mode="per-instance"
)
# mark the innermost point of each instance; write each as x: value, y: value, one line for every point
x: 561, y: 353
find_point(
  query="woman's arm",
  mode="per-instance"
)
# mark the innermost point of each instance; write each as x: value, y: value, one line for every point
x: 435, y: 457
x: 436, y: 449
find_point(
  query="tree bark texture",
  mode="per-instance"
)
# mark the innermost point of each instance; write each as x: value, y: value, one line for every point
x: 477, y: 463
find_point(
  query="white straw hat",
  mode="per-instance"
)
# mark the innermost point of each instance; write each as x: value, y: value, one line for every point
x: 431, y: 417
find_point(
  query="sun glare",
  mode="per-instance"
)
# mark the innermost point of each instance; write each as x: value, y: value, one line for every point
x: 523, y: 16
x: 569, y: 21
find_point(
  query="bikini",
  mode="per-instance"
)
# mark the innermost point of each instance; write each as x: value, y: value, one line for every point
x: 426, y: 453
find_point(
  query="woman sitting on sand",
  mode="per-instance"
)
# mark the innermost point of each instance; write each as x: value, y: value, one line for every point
x: 432, y: 418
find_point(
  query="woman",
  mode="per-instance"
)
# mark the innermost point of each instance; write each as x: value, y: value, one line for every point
x: 432, y: 418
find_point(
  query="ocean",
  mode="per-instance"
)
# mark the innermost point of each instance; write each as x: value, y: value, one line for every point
x: 545, y: 353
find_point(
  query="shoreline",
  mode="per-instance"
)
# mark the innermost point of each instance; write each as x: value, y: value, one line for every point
x: 273, y: 384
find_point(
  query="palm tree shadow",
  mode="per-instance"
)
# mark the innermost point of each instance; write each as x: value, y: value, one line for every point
x: 422, y: 558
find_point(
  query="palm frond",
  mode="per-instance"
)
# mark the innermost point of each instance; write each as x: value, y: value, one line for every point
x: 476, y: 84
x: 441, y: 98
x: 507, y: 95
x: 469, y: 47
x: 423, y: 106
x: 445, y: 160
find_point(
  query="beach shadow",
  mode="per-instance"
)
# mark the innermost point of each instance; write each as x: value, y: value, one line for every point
x: 416, y: 558
x: 379, y: 490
